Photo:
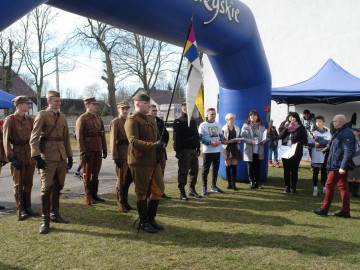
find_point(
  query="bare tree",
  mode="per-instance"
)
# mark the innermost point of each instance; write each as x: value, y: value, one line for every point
x: 146, y: 58
x: 70, y: 93
x: 98, y: 35
x: 10, y: 57
x: 38, y: 49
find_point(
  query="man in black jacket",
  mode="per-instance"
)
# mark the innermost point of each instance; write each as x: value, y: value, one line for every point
x: 187, y: 148
x: 165, y: 138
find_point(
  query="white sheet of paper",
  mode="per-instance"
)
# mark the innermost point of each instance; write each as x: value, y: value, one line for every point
x: 264, y: 137
x: 287, y: 151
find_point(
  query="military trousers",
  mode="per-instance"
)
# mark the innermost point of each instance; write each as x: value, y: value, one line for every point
x: 53, y: 176
x: 123, y: 174
x: 188, y: 164
x: 142, y: 174
x: 24, y: 175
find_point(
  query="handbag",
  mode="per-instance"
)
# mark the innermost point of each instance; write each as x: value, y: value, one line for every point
x: 354, y: 161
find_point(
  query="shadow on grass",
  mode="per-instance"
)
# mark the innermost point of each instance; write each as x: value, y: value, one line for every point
x: 175, y: 235
x: 10, y: 267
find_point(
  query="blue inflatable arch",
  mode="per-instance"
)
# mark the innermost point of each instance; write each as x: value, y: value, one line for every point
x: 225, y: 30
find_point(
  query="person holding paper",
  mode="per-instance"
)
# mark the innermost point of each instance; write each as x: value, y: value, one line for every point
x: 294, y: 133
x: 318, y: 157
x: 253, y: 132
x: 231, y: 153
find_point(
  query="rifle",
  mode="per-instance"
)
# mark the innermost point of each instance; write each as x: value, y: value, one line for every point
x: 20, y: 193
x: 86, y: 177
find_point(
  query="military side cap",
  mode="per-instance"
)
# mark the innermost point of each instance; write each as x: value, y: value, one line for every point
x: 52, y: 93
x: 20, y: 100
x: 90, y: 100
x: 123, y: 104
x: 141, y: 97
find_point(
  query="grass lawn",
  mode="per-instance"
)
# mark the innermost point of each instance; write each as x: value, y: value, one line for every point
x: 243, y: 229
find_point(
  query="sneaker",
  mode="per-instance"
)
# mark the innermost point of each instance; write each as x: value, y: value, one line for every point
x: 164, y: 196
x: 342, y: 214
x: 271, y: 163
x: 192, y: 192
x: 251, y: 185
x: 216, y: 189
x: 183, y: 196
x: 293, y: 191
x: 320, y: 212
x: 315, y: 191
x: 286, y: 190
x: 204, y: 191
x: 324, y: 190
x: 77, y: 174
x: 257, y: 186
x: 277, y: 165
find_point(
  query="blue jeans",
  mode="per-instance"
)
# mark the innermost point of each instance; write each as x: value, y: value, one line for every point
x: 273, y: 149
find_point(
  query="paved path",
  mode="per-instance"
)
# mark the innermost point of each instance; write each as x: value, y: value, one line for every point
x: 74, y: 187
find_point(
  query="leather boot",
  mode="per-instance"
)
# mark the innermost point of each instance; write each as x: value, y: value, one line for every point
x: 23, y: 214
x: 145, y: 225
x: 120, y: 199
x: 153, y: 206
x: 228, y: 176
x: 55, y: 208
x: 125, y: 193
x: 95, y: 191
x: 45, y: 216
x: 27, y: 205
x: 233, y: 177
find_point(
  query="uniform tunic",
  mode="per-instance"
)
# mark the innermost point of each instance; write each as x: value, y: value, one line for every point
x: 119, y: 147
x: 90, y: 135
x: 17, y: 130
x: 57, y: 148
x: 142, y: 133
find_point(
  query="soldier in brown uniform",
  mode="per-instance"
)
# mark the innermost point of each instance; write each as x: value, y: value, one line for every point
x: 91, y: 142
x: 50, y: 147
x: 144, y: 148
x: 17, y: 130
x: 119, y: 149
x: 3, y: 159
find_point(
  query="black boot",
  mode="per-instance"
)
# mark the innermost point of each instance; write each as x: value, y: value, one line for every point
x: 45, y: 216
x: 27, y: 205
x: 153, y: 206
x: 55, y: 208
x: 95, y: 191
x: 145, y: 225
x: 23, y: 214
x: 125, y: 193
x: 233, y: 177
x: 228, y: 176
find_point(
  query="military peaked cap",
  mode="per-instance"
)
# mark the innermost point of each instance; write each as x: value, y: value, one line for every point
x: 90, y: 100
x: 20, y: 100
x: 141, y: 97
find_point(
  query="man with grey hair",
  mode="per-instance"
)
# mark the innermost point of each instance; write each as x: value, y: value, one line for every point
x: 341, y: 151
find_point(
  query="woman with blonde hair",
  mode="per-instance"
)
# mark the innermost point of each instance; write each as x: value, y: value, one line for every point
x: 230, y: 152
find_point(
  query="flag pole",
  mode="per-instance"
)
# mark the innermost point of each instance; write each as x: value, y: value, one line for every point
x: 176, y: 79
